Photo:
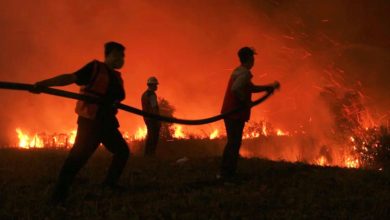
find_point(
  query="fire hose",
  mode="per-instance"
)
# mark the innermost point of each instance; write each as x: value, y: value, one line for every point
x: 71, y: 95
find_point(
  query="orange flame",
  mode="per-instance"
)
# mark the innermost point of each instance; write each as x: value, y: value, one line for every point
x: 178, y: 132
x: 141, y: 133
x: 42, y: 140
x: 72, y: 137
x: 26, y: 142
x: 351, y: 162
x: 281, y: 133
x: 264, y: 129
x: 250, y: 135
x: 214, y: 134
x: 65, y: 140
x: 321, y: 161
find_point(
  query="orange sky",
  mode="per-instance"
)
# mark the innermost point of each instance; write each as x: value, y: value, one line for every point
x: 190, y: 46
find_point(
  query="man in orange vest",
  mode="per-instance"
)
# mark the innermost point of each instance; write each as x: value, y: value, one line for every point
x: 150, y: 104
x: 238, y: 93
x: 97, y: 123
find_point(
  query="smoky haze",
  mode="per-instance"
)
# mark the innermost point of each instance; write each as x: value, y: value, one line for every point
x: 190, y: 46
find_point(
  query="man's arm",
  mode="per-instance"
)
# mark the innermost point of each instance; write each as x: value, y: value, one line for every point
x: 80, y: 77
x: 262, y: 88
x: 60, y: 80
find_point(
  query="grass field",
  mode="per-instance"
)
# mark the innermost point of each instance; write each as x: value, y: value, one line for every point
x: 162, y: 188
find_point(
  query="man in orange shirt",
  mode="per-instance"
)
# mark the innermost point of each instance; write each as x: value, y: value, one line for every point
x: 239, y: 93
x: 97, y: 123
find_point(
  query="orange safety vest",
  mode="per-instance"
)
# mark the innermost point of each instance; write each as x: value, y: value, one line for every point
x: 96, y: 88
x: 231, y: 102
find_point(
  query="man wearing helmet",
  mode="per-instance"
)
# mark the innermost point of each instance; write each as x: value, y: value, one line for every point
x: 150, y: 104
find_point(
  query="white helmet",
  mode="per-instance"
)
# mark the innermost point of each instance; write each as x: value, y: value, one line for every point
x: 152, y: 80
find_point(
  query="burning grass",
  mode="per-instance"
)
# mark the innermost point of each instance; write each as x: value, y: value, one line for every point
x: 163, y: 188
x: 367, y: 148
x: 373, y: 147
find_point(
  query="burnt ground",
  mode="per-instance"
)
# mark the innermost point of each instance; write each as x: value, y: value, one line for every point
x: 163, y: 188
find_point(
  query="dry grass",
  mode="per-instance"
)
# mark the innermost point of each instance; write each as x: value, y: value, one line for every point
x: 161, y: 188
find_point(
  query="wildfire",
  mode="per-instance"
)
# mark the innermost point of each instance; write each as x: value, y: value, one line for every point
x: 42, y: 140
x: 281, y: 133
x: 26, y: 142
x: 250, y: 135
x: 214, y: 134
x: 141, y: 133
x: 178, y: 132
x: 264, y: 129
x: 351, y: 162
x: 350, y: 158
x: 72, y: 137
x: 321, y: 161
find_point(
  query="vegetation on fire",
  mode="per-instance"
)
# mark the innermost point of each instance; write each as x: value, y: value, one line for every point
x: 180, y: 182
x: 348, y: 141
x: 373, y: 146
x: 369, y: 142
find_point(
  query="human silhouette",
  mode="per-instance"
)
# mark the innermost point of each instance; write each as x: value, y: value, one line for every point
x: 150, y: 104
x: 97, y: 123
x: 238, y: 94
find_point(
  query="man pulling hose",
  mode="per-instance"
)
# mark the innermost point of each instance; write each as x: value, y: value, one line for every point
x: 238, y: 95
x: 97, y: 122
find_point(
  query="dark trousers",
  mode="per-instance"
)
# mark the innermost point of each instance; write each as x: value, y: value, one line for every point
x: 90, y: 133
x: 152, y: 137
x: 234, y: 129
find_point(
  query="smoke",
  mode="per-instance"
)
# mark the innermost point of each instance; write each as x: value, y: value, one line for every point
x: 190, y: 46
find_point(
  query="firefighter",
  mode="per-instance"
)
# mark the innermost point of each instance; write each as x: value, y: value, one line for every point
x: 238, y: 93
x: 97, y: 123
x: 150, y: 104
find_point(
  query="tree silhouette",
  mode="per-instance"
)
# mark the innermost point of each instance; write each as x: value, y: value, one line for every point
x: 166, y: 109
